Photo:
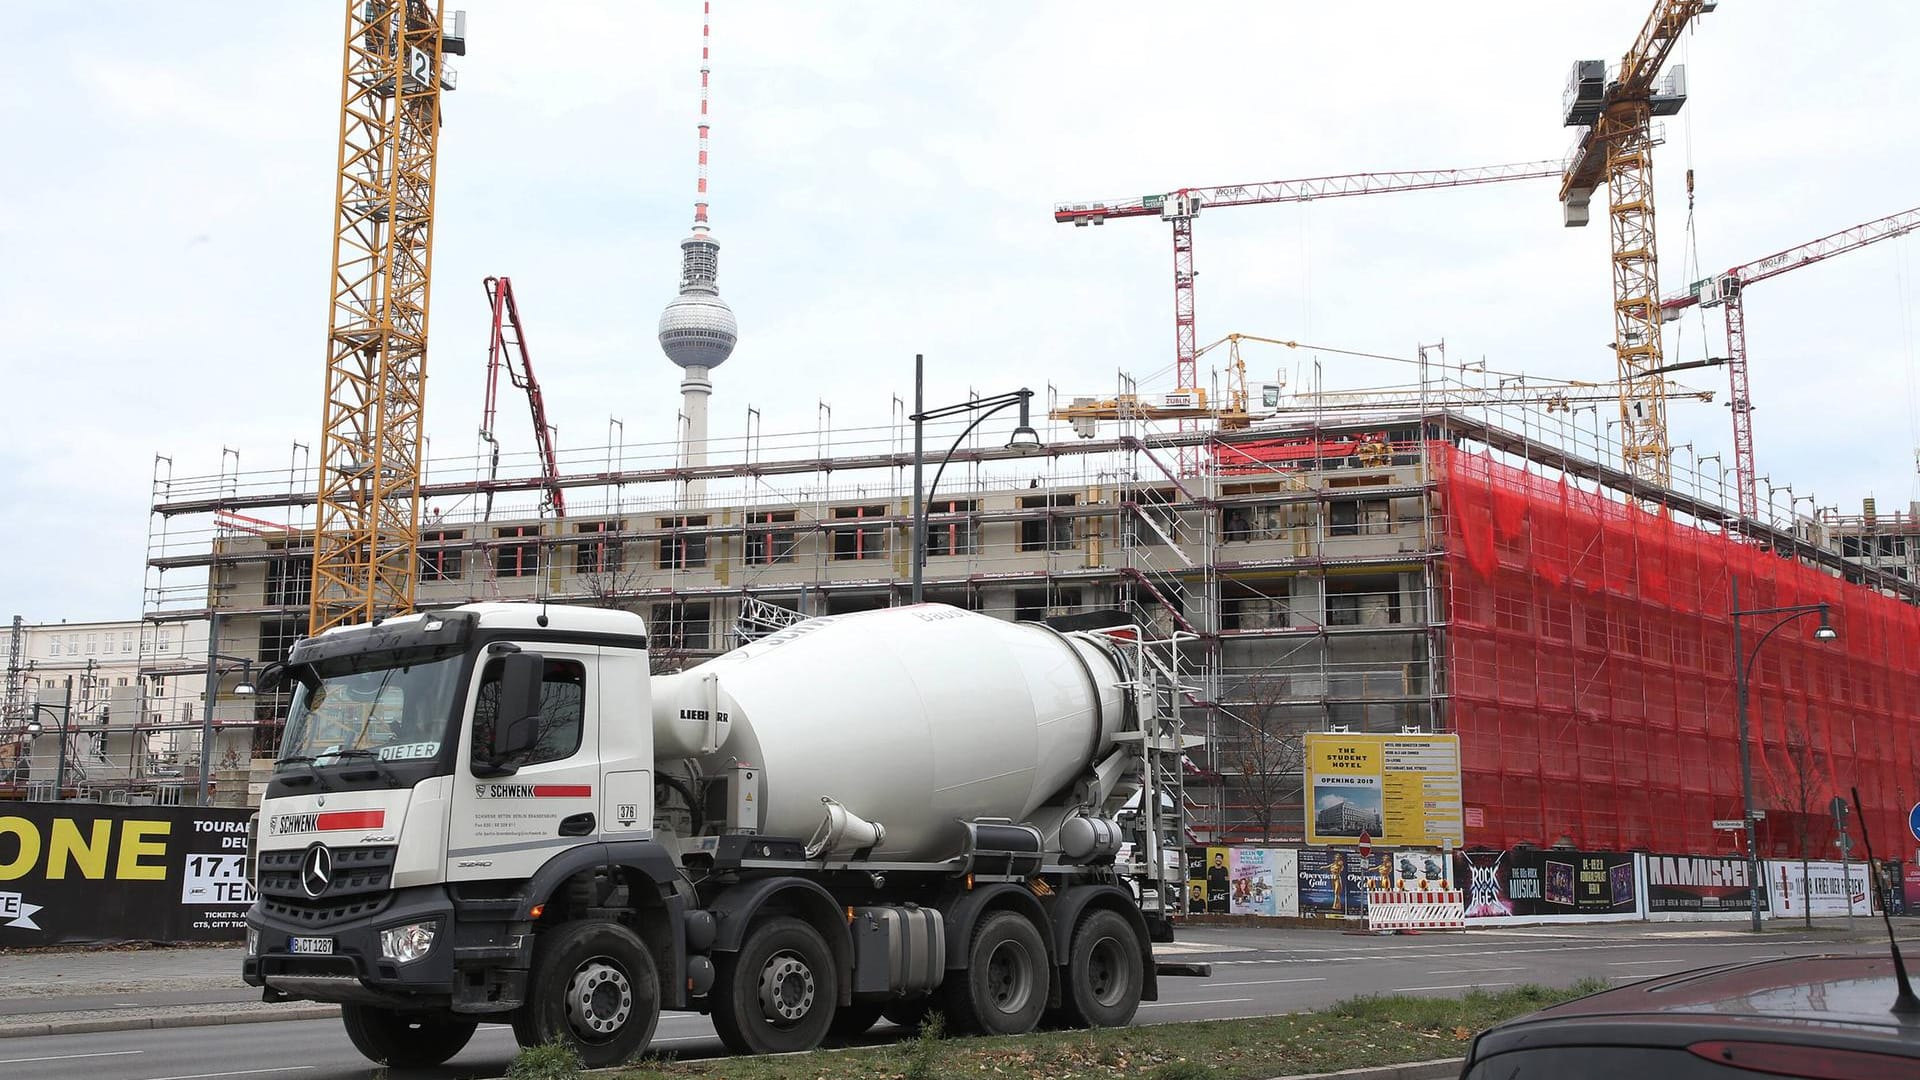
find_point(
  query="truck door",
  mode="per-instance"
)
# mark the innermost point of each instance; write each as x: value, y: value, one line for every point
x: 507, y: 826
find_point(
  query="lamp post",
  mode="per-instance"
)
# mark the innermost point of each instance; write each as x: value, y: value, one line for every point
x: 1742, y: 675
x: 34, y: 727
x: 1025, y: 440
x: 214, y: 671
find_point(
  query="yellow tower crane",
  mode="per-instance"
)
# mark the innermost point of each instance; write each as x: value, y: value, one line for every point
x: 367, y: 515
x: 1616, y: 148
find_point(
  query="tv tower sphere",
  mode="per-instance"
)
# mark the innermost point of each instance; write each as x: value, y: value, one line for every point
x: 697, y: 329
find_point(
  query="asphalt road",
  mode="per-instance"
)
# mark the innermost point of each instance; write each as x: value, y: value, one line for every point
x: 1256, y: 972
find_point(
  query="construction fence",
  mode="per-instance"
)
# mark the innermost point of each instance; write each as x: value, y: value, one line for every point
x: 1531, y: 885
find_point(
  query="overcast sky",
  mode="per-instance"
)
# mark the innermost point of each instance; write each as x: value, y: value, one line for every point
x: 883, y: 178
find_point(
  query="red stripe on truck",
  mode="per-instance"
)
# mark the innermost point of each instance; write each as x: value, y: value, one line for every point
x: 563, y: 791
x: 350, y: 819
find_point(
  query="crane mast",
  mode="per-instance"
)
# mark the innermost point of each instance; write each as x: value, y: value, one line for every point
x: 1726, y: 290
x: 367, y: 510
x: 1182, y: 206
x: 1616, y: 148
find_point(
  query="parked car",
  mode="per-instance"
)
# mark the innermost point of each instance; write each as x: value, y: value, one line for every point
x: 1818, y: 1017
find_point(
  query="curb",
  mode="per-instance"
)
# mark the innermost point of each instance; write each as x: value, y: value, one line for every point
x: 1435, y: 1069
x: 146, y: 1023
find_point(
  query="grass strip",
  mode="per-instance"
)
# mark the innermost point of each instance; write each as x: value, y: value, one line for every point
x: 1364, y: 1031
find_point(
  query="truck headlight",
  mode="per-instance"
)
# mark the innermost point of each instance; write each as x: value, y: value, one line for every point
x: 408, y: 943
x: 253, y: 942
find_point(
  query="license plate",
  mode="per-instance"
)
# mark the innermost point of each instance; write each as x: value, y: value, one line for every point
x: 311, y: 946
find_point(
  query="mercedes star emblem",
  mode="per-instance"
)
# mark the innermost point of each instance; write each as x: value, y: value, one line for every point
x: 316, y: 870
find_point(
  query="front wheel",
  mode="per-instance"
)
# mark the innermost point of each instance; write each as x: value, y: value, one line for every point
x: 593, y: 987
x: 405, y: 1040
x: 777, y: 995
x: 1003, y: 991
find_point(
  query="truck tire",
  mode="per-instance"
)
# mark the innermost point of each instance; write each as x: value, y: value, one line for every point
x: 1103, y: 972
x: 855, y: 1020
x: 1003, y: 990
x: 594, y: 987
x: 777, y: 994
x: 406, y: 1040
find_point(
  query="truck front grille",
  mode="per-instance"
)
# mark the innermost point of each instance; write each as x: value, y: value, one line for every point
x: 358, y: 885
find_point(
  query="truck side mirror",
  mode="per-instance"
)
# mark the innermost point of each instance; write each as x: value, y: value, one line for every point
x: 271, y: 677
x: 516, y: 724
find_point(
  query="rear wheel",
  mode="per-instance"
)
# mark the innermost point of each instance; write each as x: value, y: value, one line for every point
x: 1003, y: 990
x: 405, y: 1040
x: 1104, y: 972
x: 593, y: 987
x: 777, y: 994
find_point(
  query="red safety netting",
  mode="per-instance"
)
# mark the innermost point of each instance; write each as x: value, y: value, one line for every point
x: 1591, y: 679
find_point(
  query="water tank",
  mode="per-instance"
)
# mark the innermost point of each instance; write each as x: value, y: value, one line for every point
x: 916, y: 718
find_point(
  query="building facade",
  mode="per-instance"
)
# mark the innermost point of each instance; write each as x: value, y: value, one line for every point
x: 1385, y: 574
x: 124, y: 689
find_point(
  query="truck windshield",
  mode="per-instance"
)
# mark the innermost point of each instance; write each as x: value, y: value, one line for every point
x: 397, y: 713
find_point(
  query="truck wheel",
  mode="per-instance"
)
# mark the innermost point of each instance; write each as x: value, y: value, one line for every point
x: 406, y: 1040
x: 1104, y: 973
x: 594, y: 987
x: 1003, y: 991
x: 853, y: 1021
x: 776, y: 995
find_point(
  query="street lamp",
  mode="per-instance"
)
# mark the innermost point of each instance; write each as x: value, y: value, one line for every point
x: 1025, y: 440
x: 1742, y: 675
x: 244, y: 689
x: 35, y: 727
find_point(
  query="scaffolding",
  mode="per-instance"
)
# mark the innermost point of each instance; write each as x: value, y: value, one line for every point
x: 1310, y: 571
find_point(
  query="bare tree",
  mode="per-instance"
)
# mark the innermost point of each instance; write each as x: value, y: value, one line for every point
x: 619, y: 583
x: 1800, y: 789
x: 1268, y: 757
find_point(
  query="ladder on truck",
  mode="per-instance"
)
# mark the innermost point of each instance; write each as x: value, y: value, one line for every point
x: 1158, y: 821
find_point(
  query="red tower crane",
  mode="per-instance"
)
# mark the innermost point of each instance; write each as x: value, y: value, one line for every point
x: 508, y: 343
x: 1182, y: 206
x: 1725, y: 289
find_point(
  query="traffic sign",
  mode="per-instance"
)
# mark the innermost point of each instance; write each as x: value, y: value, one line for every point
x: 1366, y: 844
x: 1728, y: 824
x: 1913, y: 821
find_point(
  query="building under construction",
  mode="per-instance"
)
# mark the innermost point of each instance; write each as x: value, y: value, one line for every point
x: 1473, y: 569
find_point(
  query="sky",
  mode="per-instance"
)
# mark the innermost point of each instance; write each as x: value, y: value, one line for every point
x: 883, y: 180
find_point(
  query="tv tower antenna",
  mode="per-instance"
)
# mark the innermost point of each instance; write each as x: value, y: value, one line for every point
x: 697, y: 330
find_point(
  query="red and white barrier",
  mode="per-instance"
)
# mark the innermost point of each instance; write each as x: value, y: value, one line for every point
x: 1416, y: 909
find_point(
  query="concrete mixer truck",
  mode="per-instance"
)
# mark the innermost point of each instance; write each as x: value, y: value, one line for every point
x: 494, y: 813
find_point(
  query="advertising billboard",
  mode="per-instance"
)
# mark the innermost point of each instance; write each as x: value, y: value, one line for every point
x: 1829, y: 888
x: 82, y: 873
x: 1396, y: 790
x: 1265, y: 881
x: 1698, y: 884
x: 1547, y: 884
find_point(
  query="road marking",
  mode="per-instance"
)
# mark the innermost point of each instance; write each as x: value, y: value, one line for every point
x: 1450, y: 986
x: 70, y: 1057
x: 1638, y: 963
x: 239, y: 1073
x: 1471, y: 971
x: 1164, y: 1005
x: 1273, y: 982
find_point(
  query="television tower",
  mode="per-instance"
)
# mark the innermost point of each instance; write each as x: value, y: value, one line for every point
x: 697, y: 331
